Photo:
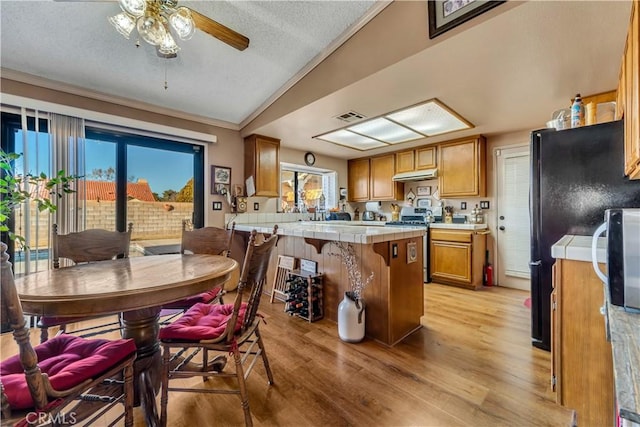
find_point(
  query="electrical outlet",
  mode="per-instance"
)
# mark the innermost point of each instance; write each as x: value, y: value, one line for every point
x: 463, y: 206
x: 394, y: 250
x: 484, y: 204
x: 256, y: 206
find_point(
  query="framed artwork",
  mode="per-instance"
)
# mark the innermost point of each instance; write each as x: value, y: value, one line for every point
x: 447, y: 14
x: 220, y: 180
x: 424, y: 191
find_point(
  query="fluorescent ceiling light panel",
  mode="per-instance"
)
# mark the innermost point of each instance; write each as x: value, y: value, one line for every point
x: 352, y: 140
x: 385, y: 130
x: 429, y: 118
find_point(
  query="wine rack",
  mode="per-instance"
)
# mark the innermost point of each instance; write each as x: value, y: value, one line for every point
x: 304, y: 295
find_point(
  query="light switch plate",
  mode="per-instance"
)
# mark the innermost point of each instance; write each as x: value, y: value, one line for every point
x: 217, y: 206
x: 484, y: 204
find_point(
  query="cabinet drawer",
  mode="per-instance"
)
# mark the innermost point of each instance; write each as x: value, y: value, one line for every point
x: 452, y: 235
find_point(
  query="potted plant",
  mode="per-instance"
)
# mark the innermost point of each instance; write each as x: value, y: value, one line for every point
x: 18, y: 189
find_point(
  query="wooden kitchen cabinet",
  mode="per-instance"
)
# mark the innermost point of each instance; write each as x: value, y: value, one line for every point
x: 629, y: 95
x: 371, y: 179
x: 462, y: 167
x: 261, y: 160
x: 581, y: 355
x: 358, y: 180
x: 456, y: 257
x: 418, y: 159
x: 381, y: 184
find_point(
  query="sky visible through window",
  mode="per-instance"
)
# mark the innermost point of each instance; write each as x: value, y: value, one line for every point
x: 164, y: 170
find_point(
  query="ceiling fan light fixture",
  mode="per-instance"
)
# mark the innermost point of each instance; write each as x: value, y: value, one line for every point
x: 123, y: 23
x: 152, y: 29
x: 182, y: 23
x: 135, y: 8
x: 168, y: 46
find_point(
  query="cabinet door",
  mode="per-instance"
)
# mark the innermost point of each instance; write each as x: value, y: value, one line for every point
x: 555, y: 354
x: 632, y: 104
x: 462, y: 168
x: 381, y: 185
x: 405, y: 161
x: 262, y: 162
x: 426, y: 158
x: 358, y: 178
x: 451, y: 261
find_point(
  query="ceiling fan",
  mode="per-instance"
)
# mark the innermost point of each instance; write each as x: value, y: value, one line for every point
x: 155, y: 20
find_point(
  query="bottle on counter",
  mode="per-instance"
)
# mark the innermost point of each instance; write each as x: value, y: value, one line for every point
x: 577, y: 112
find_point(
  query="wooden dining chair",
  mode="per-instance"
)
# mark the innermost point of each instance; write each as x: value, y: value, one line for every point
x: 207, y: 241
x: 224, y: 328
x: 80, y: 247
x: 66, y: 380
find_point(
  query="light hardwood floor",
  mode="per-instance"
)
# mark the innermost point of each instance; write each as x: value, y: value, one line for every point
x: 471, y: 364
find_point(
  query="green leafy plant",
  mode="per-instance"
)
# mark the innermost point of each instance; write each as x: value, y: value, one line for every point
x: 18, y: 189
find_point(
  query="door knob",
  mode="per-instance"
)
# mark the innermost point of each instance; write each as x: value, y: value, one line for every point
x: 501, y: 228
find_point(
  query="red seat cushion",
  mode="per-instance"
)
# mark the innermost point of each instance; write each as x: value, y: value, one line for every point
x: 205, y: 298
x: 68, y: 360
x: 202, y: 322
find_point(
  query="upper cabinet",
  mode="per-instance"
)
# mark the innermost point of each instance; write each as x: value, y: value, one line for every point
x: 462, y: 167
x: 381, y: 186
x: 418, y: 159
x: 261, y: 160
x: 358, y: 180
x: 629, y: 96
x: 370, y: 179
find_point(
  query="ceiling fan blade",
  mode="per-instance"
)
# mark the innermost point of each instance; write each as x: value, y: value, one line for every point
x: 219, y: 31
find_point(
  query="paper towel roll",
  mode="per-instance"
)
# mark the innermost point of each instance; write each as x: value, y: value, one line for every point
x: 373, y: 206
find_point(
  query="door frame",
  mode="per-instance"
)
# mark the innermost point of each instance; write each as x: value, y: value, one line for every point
x: 496, y: 184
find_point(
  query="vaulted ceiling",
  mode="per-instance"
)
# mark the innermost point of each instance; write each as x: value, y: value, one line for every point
x: 505, y: 70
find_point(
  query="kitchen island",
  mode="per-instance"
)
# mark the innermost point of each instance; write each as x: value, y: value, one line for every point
x: 394, y: 298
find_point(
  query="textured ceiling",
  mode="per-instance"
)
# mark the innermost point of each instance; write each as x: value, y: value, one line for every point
x: 72, y: 42
x: 506, y: 70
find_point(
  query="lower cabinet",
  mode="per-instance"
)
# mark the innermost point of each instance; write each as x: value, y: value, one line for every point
x: 457, y: 256
x: 582, y: 367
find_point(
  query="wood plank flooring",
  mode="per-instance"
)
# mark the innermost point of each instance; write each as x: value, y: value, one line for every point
x: 472, y: 364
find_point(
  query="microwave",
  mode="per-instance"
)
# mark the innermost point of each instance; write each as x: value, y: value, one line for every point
x: 622, y: 255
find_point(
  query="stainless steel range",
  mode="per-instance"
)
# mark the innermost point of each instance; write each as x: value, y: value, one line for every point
x: 412, y: 216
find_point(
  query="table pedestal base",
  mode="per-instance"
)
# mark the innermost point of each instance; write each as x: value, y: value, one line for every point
x: 142, y: 326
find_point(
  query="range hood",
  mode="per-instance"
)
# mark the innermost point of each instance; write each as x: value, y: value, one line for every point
x: 416, y: 175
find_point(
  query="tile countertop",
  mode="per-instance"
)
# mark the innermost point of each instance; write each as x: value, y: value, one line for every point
x: 458, y: 226
x: 623, y: 329
x: 578, y: 248
x: 338, y: 231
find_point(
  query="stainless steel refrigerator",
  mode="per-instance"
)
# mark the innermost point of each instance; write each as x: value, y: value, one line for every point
x: 575, y: 175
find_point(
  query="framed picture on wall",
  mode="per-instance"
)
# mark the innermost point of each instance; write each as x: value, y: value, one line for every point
x: 220, y: 180
x: 424, y: 191
x: 448, y: 14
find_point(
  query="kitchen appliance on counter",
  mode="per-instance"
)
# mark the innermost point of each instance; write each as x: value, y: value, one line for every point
x: 623, y: 256
x: 338, y: 216
x: 576, y: 174
x: 413, y: 216
x: 369, y: 216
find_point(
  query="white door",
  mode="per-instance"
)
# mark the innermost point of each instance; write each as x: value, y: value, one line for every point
x: 512, y: 234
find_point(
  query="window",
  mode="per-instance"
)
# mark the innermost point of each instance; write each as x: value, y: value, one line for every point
x: 154, y: 183
x: 302, y: 188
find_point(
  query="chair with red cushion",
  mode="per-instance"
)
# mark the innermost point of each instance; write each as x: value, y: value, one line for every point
x: 66, y: 379
x: 80, y: 247
x: 225, y: 328
x: 208, y: 241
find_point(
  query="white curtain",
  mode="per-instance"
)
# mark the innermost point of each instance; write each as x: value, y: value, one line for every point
x: 68, y: 155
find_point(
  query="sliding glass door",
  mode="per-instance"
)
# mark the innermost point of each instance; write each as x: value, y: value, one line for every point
x: 151, y: 182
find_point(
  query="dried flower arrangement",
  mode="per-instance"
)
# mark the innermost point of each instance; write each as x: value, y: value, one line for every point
x: 348, y: 256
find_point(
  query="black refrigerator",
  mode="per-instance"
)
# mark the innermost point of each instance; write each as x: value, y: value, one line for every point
x: 575, y: 175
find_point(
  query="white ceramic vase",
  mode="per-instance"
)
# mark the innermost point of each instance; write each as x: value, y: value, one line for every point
x: 351, y: 318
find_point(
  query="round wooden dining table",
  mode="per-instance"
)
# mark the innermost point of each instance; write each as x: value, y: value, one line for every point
x: 134, y: 287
